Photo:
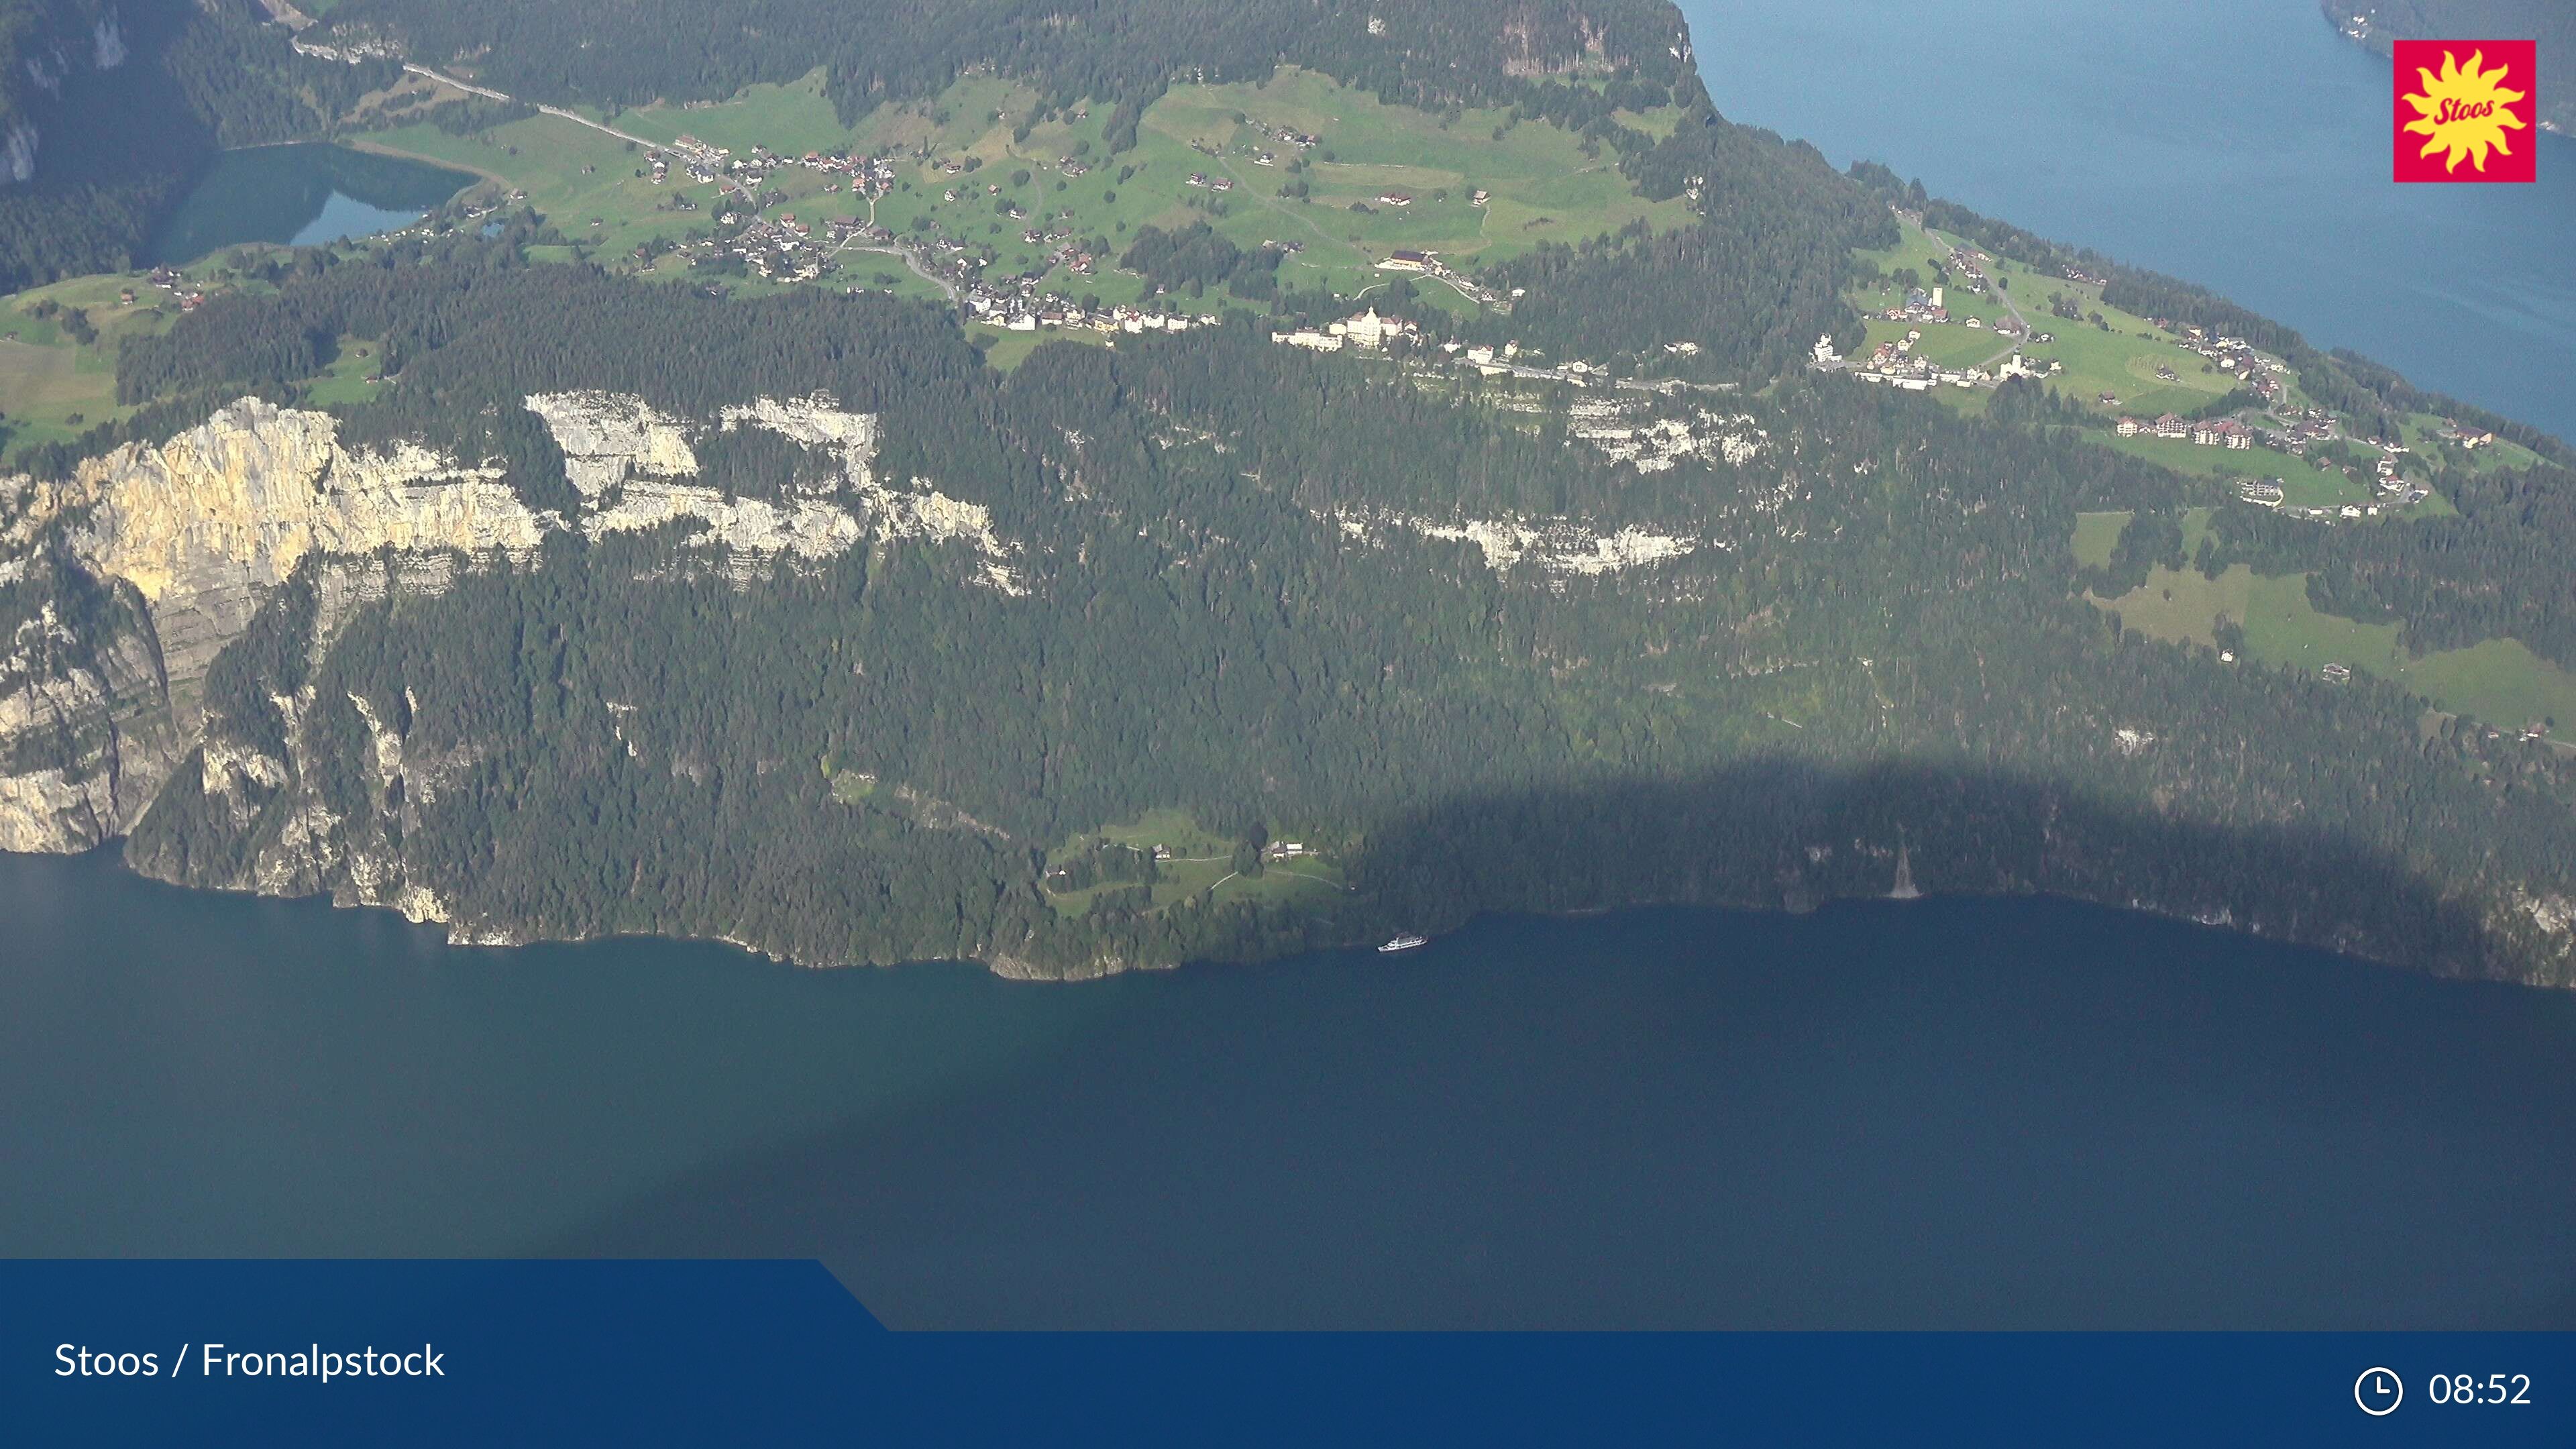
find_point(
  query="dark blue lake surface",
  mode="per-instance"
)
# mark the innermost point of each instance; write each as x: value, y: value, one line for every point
x: 2241, y: 144
x: 305, y: 195
x: 1999, y: 1113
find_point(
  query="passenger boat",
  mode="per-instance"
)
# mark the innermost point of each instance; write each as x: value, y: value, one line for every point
x: 1403, y: 943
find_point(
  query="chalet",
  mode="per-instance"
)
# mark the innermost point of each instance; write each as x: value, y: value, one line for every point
x: 2170, y: 425
x: 1406, y: 261
x: 1394, y: 198
x: 2128, y: 427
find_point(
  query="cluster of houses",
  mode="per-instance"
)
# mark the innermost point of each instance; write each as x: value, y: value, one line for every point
x: 2204, y: 432
x: 1365, y: 330
x: 190, y: 299
x: 782, y: 248
x: 1919, y: 306
x: 2265, y: 377
x: 867, y: 176
x: 1896, y: 364
x: 1405, y: 259
x: 1028, y: 313
x: 1289, y: 136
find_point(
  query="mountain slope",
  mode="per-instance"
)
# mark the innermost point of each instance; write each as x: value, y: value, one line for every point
x: 782, y: 615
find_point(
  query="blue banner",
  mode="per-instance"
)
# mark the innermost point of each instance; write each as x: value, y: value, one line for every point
x: 779, y: 1353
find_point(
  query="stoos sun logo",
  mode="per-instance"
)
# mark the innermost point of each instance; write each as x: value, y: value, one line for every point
x: 2466, y: 101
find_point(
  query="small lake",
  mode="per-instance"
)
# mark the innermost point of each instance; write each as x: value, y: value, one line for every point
x: 303, y: 195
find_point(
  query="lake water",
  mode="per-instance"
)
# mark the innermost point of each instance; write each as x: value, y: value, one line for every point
x: 1998, y: 1113
x: 305, y: 195
x: 2241, y: 144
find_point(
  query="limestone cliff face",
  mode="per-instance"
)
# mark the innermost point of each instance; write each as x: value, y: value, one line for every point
x: 194, y: 533
x: 86, y: 731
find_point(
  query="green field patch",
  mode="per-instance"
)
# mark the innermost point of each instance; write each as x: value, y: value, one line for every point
x: 1120, y: 863
x: 1943, y: 344
x: 2304, y: 483
x: 2096, y: 534
x: 1543, y: 186
x: 54, y: 387
x: 346, y: 380
x: 790, y: 119
x: 2502, y: 682
x: 2498, y: 680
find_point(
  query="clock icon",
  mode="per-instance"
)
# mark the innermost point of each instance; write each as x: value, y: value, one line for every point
x: 2378, y: 1391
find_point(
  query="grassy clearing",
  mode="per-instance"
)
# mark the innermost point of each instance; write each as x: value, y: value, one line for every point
x: 1944, y: 344
x: 52, y: 388
x: 2497, y: 680
x: 345, y: 381
x: 790, y: 119
x: 1008, y: 350
x: 1201, y: 866
x: 2096, y: 534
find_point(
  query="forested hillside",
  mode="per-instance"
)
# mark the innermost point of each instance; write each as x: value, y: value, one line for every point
x: 1122, y: 52
x: 545, y: 600
x: 109, y: 111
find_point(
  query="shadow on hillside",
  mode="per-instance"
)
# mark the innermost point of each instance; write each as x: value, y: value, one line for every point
x: 1785, y: 834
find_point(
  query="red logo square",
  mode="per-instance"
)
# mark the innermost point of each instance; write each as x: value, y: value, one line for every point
x: 2465, y: 110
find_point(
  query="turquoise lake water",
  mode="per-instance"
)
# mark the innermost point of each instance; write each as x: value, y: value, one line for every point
x: 304, y: 194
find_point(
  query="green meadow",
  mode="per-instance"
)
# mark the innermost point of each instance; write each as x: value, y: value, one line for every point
x: 965, y: 164
x: 2498, y: 680
x: 53, y: 387
x: 1202, y: 865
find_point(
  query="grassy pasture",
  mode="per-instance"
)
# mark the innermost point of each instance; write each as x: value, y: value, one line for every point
x: 1544, y: 188
x: 2497, y: 680
x: 1202, y: 865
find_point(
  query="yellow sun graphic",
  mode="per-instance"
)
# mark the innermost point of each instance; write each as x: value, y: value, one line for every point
x: 2463, y: 110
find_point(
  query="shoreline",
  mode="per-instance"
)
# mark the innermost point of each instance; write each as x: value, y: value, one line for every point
x: 1004, y: 965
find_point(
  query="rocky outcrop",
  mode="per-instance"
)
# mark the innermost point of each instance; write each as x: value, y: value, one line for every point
x: 636, y: 470
x: 196, y: 532
x: 87, y: 733
x: 1555, y: 545
x: 18, y: 153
